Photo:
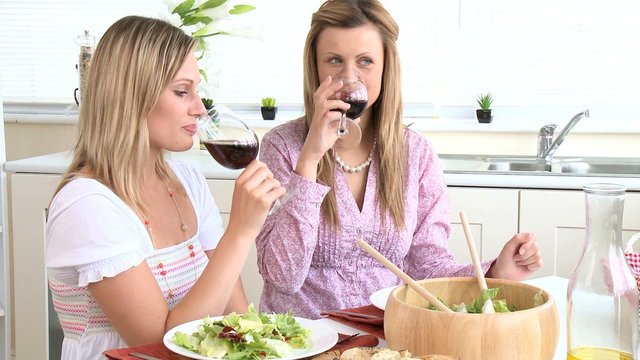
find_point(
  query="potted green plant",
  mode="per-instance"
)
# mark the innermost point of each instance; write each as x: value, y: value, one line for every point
x: 484, y: 113
x: 269, y: 108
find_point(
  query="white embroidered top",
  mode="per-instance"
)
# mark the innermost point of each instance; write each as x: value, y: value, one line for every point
x: 92, y: 234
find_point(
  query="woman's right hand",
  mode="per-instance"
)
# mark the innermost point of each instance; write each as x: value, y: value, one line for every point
x: 322, y: 133
x: 321, y: 136
x: 254, y: 192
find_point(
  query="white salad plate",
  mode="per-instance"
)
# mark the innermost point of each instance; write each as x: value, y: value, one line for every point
x: 321, y: 337
x: 379, y: 298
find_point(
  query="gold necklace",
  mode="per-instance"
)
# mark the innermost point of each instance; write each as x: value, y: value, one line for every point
x: 183, y: 228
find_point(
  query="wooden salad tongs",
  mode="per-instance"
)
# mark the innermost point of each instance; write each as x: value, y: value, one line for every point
x: 402, y: 275
x: 487, y: 307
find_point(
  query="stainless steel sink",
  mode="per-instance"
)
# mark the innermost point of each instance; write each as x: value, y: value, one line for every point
x: 518, y: 165
x: 564, y: 166
x: 612, y: 168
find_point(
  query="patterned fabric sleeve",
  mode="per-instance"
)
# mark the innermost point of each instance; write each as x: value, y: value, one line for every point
x: 288, y: 238
x: 430, y: 256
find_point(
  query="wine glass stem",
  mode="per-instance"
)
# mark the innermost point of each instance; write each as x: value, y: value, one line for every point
x: 342, y: 127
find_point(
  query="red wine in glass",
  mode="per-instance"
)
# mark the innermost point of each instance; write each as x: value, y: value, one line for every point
x: 356, y: 109
x: 233, y: 145
x: 353, y: 92
x: 232, y: 154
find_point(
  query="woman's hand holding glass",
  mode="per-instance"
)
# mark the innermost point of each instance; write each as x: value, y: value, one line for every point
x: 329, y: 114
x: 234, y: 145
x: 253, y: 195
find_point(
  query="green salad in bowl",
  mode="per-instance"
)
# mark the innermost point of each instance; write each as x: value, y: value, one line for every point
x: 500, y: 306
x: 252, y: 335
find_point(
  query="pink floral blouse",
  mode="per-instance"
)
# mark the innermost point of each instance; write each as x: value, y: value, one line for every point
x: 308, y: 267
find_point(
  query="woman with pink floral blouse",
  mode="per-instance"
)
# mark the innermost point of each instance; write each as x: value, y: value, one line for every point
x: 397, y: 202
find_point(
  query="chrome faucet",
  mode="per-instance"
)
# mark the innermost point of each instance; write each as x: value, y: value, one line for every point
x: 546, y: 148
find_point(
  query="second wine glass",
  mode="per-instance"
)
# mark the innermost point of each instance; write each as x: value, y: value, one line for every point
x: 354, y: 93
x: 232, y: 144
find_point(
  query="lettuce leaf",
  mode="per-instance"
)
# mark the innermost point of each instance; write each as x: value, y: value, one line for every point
x: 252, y: 335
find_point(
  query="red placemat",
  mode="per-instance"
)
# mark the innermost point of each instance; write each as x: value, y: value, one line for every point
x: 158, y: 350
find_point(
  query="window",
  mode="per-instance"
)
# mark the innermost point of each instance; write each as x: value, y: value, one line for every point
x: 528, y: 53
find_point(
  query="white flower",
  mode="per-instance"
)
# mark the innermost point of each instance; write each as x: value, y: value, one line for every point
x: 204, y: 23
x: 245, y: 31
x: 172, y: 4
x: 208, y: 90
x: 219, y: 26
x: 173, y: 19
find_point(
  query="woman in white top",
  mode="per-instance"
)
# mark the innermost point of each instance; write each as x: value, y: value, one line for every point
x: 135, y: 244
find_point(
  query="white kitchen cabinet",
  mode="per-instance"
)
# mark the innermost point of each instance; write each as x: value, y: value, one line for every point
x: 30, y: 195
x: 493, y: 218
x: 557, y: 217
x: 5, y: 304
x: 222, y: 191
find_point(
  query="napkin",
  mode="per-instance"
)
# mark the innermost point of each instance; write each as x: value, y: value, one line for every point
x: 372, y: 326
x: 158, y: 350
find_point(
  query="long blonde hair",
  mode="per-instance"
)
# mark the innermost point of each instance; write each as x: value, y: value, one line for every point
x: 386, y: 111
x: 134, y: 62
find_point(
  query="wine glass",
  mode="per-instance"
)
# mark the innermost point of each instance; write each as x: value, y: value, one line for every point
x: 354, y: 93
x: 232, y: 144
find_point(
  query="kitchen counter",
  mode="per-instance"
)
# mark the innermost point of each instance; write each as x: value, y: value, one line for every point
x: 56, y: 163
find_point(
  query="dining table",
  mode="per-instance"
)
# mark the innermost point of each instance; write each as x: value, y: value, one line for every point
x: 555, y: 286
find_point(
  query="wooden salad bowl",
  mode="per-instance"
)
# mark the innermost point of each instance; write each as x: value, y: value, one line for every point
x: 531, y: 333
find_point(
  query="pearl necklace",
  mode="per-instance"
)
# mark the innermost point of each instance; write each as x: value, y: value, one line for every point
x: 183, y: 227
x: 357, y: 168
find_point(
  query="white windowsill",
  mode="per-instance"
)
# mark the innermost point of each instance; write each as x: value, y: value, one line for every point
x: 452, y: 120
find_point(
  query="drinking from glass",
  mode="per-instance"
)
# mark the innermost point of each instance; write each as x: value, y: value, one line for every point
x: 354, y: 93
x: 232, y: 144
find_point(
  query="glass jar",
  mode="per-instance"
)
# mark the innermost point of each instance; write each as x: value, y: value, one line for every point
x: 86, y: 42
x: 602, y: 296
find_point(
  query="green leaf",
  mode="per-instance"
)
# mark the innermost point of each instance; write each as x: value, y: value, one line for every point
x: 211, y: 4
x: 500, y: 306
x: 186, y: 341
x: 241, y: 9
x: 184, y: 7
x: 192, y: 20
x: 269, y: 102
x: 461, y: 308
x: 485, y: 101
x: 538, y: 299
x: 208, y: 103
x: 204, y: 75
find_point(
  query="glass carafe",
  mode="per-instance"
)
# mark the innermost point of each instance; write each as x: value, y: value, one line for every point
x: 86, y: 42
x: 602, y: 297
